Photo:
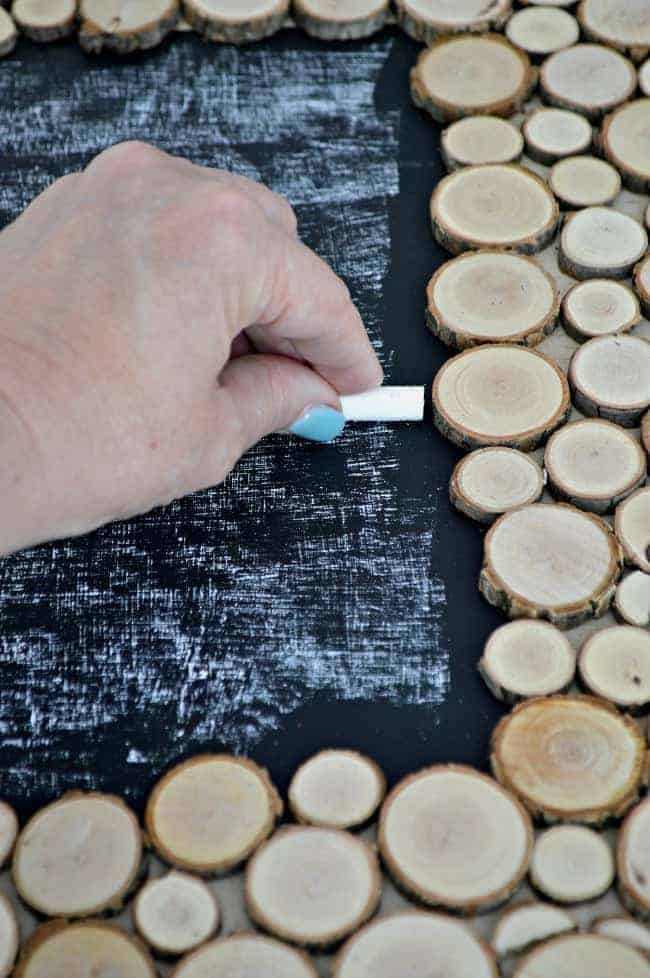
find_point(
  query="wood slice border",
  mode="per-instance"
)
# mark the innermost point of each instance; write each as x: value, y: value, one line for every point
x: 628, y: 43
x: 8, y: 33
x: 515, y: 645
x: 55, y: 930
x: 259, y: 949
x: 528, y: 485
x: 578, y: 954
x: 342, y: 21
x: 587, y: 236
x: 615, y: 402
x: 632, y: 524
x: 419, y: 20
x: 642, y: 284
x: 633, y: 166
x: 216, y: 24
x: 9, y: 937
x: 614, y: 664
x: 632, y: 861
x: 327, y: 778
x: 584, y: 181
x: 540, y: 31
x: 556, y: 920
x: 573, y: 134
x: 589, y: 877
x: 480, y: 139
x: 29, y: 17
x: 615, y: 303
x: 632, y: 601
x: 566, y: 95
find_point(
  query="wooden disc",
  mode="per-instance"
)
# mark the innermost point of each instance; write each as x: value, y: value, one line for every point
x: 79, y: 856
x: 491, y: 297
x: 599, y: 307
x: 82, y: 949
x: 624, y: 929
x: 491, y: 481
x: 570, y: 758
x: 579, y: 955
x: 571, y: 863
x: 526, y: 924
x: 599, y: 242
x: 584, y: 181
x: 453, y: 838
x: 642, y: 284
x: 527, y: 658
x: 45, y: 20
x: 338, y: 789
x: 210, y: 813
x: 644, y: 77
x: 624, y: 140
x: 632, y: 601
x: 124, y: 26
x: 312, y: 886
x: 467, y: 75
x: 633, y: 529
x: 633, y: 860
x: 176, y: 913
x: 341, y: 20
x: 551, y: 134
x: 423, y: 944
x: 480, y: 139
x: 622, y: 24
x: 236, y: 21
x: 8, y: 831
x: 615, y: 664
x: 426, y: 20
x: 645, y: 431
x: 587, y: 78
x: 9, y: 937
x: 8, y: 33
x: 246, y: 956
x: 542, y: 30
x: 610, y: 378
x: 547, y: 3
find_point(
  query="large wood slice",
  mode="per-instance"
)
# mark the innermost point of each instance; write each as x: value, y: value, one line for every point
x: 582, y: 955
x: 542, y: 30
x: 248, y: 956
x: 615, y: 664
x: 633, y: 529
x: 45, y: 20
x: 337, y: 789
x: 341, y: 20
x: 79, y: 950
x: 587, y: 78
x: 8, y: 33
x: 584, y: 181
x: 552, y: 134
x: 8, y: 831
x: 622, y: 24
x: 642, y: 284
x: 124, y: 26
x: 236, y: 21
x: 633, y: 861
x: 525, y: 925
x: 176, y: 913
x: 601, y: 242
x: 572, y: 863
x: 491, y: 481
x: 624, y: 140
x: 610, y: 378
x: 9, y: 937
x: 599, y: 307
x: 527, y: 658
x: 480, y: 139
x: 624, y: 929
x: 426, y: 20
x: 632, y: 601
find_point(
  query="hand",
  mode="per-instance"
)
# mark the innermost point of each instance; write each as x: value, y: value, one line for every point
x: 156, y: 320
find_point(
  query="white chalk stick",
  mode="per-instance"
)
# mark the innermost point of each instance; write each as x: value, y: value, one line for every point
x: 385, y: 404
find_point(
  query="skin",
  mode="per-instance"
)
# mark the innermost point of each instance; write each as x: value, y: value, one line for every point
x: 156, y: 320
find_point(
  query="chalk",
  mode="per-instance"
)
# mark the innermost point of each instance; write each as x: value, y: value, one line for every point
x: 385, y: 404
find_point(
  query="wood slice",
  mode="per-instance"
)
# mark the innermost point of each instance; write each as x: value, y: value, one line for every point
x: 480, y: 139
x: 451, y: 837
x: 579, y: 955
x: 610, y: 378
x: 594, y: 465
x: 312, y: 886
x: 426, y: 20
x: 45, y: 20
x: 624, y: 140
x: 423, y: 944
x: 572, y: 863
x: 547, y: 3
x: 642, y: 284
x: 527, y: 658
x: 542, y: 30
x: 552, y: 134
x: 645, y: 431
x: 584, y: 181
x: 644, y: 77
x: 599, y: 307
x: 8, y: 831
x: 587, y: 78
x: 9, y: 937
x: 622, y: 24
x: 79, y: 856
x: 246, y: 956
x: 491, y: 297
x: 599, y: 242
x: 489, y: 482
x: 236, y: 21
x: 633, y: 861
x: 624, y: 929
x: 176, y: 913
x: 494, y: 205
x: 81, y: 950
x: 341, y: 20
x: 210, y: 813
x: 525, y: 925
x: 337, y: 789
x: 570, y: 758
x: 633, y: 529
x: 466, y: 75
x: 615, y: 664
x: 632, y: 601
x: 124, y: 26
x: 8, y: 33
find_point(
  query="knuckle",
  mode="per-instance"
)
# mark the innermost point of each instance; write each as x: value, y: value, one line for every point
x: 128, y: 158
x: 230, y: 206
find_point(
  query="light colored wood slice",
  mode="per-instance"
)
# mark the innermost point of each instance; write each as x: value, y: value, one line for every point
x: 615, y: 664
x: 525, y: 925
x: 633, y: 529
x: 246, y: 956
x: 587, y: 78
x: 527, y: 658
x: 453, y: 838
x: 542, y: 30
x: 9, y: 937
x: 341, y: 20
x: 570, y: 758
x: 625, y: 138
x: 645, y: 431
x: 622, y: 24
x: 491, y: 297
x: 624, y: 929
x: 338, y: 789
x: 45, y: 20
x: 494, y: 205
x: 633, y: 861
x: 552, y: 134
x: 124, y: 26
x: 644, y: 77
x: 176, y: 913
x: 419, y: 944
x: 584, y: 181
x: 210, y: 813
x: 610, y: 378
x: 426, y: 20
x: 599, y: 307
x: 632, y: 601
x: 82, y: 949
x: 642, y: 284
x: 467, y: 75
x: 79, y: 856
x: 547, y: 3
x: 8, y: 33
x: 572, y: 863
x: 599, y: 242
x: 312, y: 886
x: 491, y: 481
x: 8, y: 831
x: 579, y: 955
x: 236, y: 21
x: 480, y: 139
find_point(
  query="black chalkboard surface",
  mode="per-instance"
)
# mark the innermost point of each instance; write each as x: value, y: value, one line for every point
x: 324, y: 595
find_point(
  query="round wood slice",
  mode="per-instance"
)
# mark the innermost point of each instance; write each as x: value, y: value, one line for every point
x: 9, y: 937
x: 210, y: 813
x: 570, y: 758
x: 124, y: 26
x: 624, y: 139
x: 644, y: 77
x: 584, y: 181
x: 8, y: 33
x: 338, y: 789
x: 480, y: 139
x: 491, y: 481
x: 8, y: 831
x: 579, y: 955
x: 552, y: 134
x: 45, y: 20
x: 491, y: 297
x: 453, y: 838
x: 622, y: 24
x: 587, y: 78
x: 542, y: 30
x: 246, y: 956
x: 633, y: 860
x: 527, y: 658
x: 547, y: 3
x: 79, y: 856
x: 624, y: 929
x: 494, y: 205
x: 423, y: 944
x: 615, y: 664
x: 599, y: 242
x: 632, y: 601
x: 426, y: 20
x: 312, y: 886
x: 633, y: 529
x: 82, y: 949
x: 176, y: 913
x: 642, y: 284
x: 599, y: 307
x: 645, y: 431
x: 610, y: 378
x: 525, y: 925
x: 572, y: 863
x: 466, y: 75
x: 236, y: 21
x: 341, y: 20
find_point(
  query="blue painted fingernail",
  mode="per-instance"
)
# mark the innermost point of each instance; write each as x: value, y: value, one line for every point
x: 319, y: 423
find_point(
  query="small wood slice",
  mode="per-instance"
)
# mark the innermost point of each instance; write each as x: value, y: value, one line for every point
x: 527, y: 658
x: 624, y: 929
x: 426, y: 20
x: 341, y: 20
x: 599, y: 307
x: 642, y: 284
x: 337, y: 789
x: 79, y: 856
x: 525, y: 925
x: 552, y: 134
x: 572, y: 863
x: 451, y: 837
x: 610, y: 378
x: 633, y: 861
x: 579, y: 955
x: 8, y: 831
x: 423, y: 944
x: 615, y: 664
x: 480, y: 139
x: 584, y: 181
x: 644, y: 77
x: 624, y: 141
x: 176, y: 913
x: 491, y: 297
x: 124, y: 26
x: 82, y: 949
x: 210, y: 813
x: 599, y: 242
x: 570, y: 758
x: 45, y: 20
x: 246, y: 956
x: 632, y: 601
x: 466, y: 75
x: 542, y: 30
x: 645, y: 431
x: 8, y: 33
x: 9, y: 937
x: 312, y: 886
x: 633, y: 529
x: 587, y: 78
x: 622, y: 24
x: 491, y: 481
x: 236, y: 21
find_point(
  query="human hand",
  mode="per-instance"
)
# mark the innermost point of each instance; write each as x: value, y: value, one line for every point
x: 156, y: 320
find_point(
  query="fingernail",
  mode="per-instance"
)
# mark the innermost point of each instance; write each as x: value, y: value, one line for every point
x: 319, y: 423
